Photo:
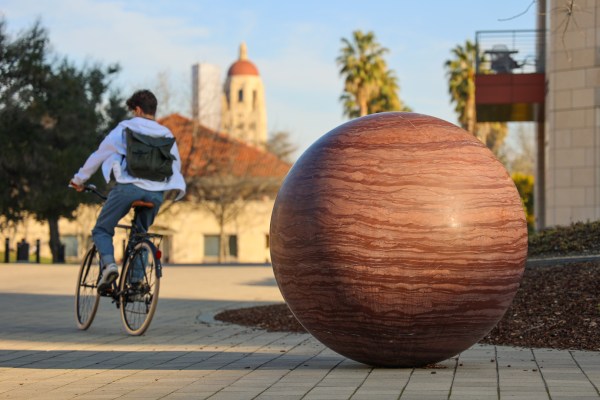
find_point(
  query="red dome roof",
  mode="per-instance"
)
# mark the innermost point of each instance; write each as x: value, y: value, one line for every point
x: 242, y: 67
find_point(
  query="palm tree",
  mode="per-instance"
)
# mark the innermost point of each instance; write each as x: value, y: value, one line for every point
x: 461, y: 84
x: 369, y: 86
x: 387, y: 99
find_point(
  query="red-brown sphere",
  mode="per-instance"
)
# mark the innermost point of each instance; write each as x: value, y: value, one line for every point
x: 398, y: 239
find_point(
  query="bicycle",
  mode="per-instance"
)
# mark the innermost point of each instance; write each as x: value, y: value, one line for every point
x: 136, y: 294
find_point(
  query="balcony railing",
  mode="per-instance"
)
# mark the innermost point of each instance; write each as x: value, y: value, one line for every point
x: 510, y: 52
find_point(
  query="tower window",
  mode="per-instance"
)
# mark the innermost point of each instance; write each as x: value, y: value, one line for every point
x: 254, y: 96
x: 240, y: 96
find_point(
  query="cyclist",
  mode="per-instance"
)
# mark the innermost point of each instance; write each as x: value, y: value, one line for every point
x: 111, y: 155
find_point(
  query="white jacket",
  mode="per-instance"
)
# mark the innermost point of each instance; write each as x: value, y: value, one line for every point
x: 111, y: 155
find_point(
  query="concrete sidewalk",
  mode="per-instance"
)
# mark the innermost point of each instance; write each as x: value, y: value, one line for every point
x: 186, y: 355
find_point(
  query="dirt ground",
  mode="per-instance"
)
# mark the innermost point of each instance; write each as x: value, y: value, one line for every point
x: 555, y: 307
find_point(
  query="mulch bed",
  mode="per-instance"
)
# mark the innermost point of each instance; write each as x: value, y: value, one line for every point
x: 555, y: 307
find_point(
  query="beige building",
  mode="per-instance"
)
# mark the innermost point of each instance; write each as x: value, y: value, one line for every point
x: 244, y: 115
x: 191, y: 231
x: 191, y: 234
x: 572, y: 146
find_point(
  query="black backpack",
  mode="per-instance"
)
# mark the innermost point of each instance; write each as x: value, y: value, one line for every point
x: 149, y: 157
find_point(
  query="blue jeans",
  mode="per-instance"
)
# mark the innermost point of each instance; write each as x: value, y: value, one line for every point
x: 116, y: 207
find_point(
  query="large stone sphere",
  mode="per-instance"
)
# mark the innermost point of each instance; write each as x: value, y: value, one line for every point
x: 398, y: 239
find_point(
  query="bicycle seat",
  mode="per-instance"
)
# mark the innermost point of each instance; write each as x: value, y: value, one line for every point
x: 142, y: 203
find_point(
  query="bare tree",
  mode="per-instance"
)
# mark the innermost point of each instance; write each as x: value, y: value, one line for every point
x: 224, y: 175
x: 229, y: 183
x: 280, y: 145
x: 227, y: 197
x: 492, y: 134
x: 173, y: 94
x: 520, y: 157
x: 164, y: 91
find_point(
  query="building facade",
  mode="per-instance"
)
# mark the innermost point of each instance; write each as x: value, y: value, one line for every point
x: 572, y: 145
x: 553, y: 79
x: 190, y: 234
x: 236, y: 107
x: 243, y: 103
x: 206, y: 95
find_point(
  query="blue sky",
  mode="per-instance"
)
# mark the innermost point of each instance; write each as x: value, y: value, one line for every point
x: 293, y: 44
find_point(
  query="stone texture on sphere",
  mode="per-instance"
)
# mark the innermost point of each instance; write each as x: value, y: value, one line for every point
x: 398, y: 239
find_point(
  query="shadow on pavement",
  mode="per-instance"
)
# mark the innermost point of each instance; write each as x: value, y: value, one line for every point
x: 31, y: 318
x: 140, y: 360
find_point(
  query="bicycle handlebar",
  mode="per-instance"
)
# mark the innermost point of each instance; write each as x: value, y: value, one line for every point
x: 90, y: 188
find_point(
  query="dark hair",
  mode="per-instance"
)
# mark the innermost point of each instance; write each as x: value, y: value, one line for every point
x: 143, y: 99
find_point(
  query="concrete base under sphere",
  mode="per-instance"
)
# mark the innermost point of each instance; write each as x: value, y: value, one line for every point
x: 398, y: 239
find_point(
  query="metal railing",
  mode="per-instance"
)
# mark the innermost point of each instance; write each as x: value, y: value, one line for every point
x: 510, y: 52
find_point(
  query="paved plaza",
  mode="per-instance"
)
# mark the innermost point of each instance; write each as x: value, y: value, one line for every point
x: 187, y: 355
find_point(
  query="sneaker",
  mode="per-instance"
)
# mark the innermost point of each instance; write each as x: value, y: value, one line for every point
x: 109, y: 275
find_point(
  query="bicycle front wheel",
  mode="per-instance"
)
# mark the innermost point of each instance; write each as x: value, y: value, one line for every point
x: 86, y: 293
x: 139, y: 286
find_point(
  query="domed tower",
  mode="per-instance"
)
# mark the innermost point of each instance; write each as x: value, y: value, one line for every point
x: 244, y: 112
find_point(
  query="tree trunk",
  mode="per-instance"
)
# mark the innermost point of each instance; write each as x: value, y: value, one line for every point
x: 222, y: 241
x: 361, y: 99
x: 470, y: 105
x: 54, y: 239
x: 363, y: 108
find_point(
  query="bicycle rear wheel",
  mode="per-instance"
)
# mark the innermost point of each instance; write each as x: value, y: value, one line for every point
x: 86, y: 293
x: 139, y: 287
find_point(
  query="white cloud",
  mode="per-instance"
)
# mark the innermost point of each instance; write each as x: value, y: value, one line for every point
x: 109, y: 32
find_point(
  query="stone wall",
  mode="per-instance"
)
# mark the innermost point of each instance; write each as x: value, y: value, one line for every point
x: 572, y: 107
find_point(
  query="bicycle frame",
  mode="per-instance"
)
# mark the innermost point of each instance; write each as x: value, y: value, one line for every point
x: 134, y: 236
x: 136, y: 293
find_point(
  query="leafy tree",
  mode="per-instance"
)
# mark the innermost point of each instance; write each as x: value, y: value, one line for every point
x: 114, y: 111
x: 22, y: 72
x: 387, y: 99
x: 52, y: 115
x: 524, y: 184
x: 369, y: 86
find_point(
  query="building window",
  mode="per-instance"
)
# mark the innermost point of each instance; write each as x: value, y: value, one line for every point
x: 254, y: 97
x: 267, y: 240
x: 240, y: 96
x: 71, y: 246
x: 211, y: 247
x: 233, y: 246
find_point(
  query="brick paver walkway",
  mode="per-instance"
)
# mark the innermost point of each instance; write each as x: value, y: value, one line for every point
x: 186, y: 355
